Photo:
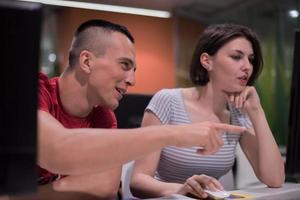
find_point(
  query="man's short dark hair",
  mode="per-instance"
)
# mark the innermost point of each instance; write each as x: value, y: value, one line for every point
x: 106, y: 25
x: 83, y: 39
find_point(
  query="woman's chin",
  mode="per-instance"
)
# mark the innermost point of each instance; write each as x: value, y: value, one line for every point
x: 234, y: 91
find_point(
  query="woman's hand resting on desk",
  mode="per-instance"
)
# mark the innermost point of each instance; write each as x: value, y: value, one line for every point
x: 247, y: 100
x: 196, y: 184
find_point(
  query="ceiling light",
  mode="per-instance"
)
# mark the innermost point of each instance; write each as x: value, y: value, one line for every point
x: 293, y: 13
x: 52, y: 57
x: 105, y: 7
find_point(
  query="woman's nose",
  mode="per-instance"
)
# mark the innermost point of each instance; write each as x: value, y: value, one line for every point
x: 247, y: 65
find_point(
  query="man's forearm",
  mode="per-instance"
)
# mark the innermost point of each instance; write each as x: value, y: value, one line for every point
x: 46, y: 192
x: 99, y: 150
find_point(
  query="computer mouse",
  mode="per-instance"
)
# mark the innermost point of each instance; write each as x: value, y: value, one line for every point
x: 219, y: 194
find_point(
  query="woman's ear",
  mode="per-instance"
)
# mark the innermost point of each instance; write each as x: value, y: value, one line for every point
x: 206, y: 61
x: 86, y: 61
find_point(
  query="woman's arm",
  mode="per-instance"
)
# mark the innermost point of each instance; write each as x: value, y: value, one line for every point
x: 144, y: 185
x: 259, y: 144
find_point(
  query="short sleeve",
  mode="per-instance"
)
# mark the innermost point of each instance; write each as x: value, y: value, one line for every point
x: 161, y: 104
x: 239, y: 118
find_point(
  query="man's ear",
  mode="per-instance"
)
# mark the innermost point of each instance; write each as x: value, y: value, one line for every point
x: 206, y: 61
x: 86, y: 61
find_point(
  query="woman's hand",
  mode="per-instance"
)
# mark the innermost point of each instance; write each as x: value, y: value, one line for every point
x: 196, y: 184
x: 246, y: 100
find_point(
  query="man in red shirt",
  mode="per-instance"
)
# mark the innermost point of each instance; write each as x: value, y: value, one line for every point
x: 80, y: 151
x: 74, y: 98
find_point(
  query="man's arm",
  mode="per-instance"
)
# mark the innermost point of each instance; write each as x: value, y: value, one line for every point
x: 85, y: 151
x: 46, y: 192
x: 102, y: 185
x: 88, y: 187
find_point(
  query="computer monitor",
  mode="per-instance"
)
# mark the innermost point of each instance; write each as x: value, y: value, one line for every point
x: 19, y: 60
x: 131, y: 110
x: 292, y: 165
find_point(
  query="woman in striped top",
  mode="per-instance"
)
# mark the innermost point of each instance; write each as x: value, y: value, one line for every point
x: 225, y: 64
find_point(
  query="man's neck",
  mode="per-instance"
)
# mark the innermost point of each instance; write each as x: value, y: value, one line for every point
x: 72, y: 91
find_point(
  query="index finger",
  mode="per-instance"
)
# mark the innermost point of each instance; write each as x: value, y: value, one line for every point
x: 229, y: 128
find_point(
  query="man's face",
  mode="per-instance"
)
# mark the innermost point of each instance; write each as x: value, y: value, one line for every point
x: 112, y: 72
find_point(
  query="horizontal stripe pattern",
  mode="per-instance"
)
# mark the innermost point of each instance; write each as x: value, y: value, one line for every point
x: 178, y: 164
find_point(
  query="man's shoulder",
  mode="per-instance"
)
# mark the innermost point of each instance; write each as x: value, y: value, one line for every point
x: 42, y: 77
x: 45, y: 81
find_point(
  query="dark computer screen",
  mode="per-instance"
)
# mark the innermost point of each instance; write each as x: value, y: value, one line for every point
x: 19, y: 60
x: 131, y: 110
x: 292, y: 165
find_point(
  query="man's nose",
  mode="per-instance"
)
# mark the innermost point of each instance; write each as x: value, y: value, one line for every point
x: 130, y: 78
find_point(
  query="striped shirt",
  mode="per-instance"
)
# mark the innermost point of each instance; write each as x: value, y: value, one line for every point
x: 177, y: 164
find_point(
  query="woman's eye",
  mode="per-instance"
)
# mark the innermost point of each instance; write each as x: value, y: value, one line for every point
x: 236, y: 57
x: 251, y: 60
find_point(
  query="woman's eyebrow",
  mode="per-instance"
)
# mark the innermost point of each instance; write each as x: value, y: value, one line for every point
x: 241, y: 52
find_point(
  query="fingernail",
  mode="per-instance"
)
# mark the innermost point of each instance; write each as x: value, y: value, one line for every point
x: 204, y: 195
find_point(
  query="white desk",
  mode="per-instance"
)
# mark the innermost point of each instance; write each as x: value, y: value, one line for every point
x: 289, y: 191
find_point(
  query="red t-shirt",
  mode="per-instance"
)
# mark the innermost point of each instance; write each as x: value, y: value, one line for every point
x: 49, y: 101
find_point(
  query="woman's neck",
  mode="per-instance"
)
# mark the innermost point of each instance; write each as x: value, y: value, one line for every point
x: 211, y: 97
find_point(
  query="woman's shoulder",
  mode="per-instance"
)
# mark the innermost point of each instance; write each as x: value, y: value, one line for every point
x: 235, y: 111
x: 173, y: 91
x: 166, y: 98
x: 167, y: 93
x: 238, y: 117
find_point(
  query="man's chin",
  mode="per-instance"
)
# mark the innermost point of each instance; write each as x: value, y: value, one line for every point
x: 114, y: 106
x: 110, y: 105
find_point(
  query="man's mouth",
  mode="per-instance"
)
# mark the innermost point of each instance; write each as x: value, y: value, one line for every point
x: 121, y: 92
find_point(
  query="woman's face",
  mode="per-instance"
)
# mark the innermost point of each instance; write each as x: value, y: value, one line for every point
x: 231, y: 66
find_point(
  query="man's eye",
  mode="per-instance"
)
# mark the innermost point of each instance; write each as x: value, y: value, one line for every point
x: 125, y: 65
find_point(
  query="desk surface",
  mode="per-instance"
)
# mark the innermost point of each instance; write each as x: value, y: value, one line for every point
x: 289, y: 191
